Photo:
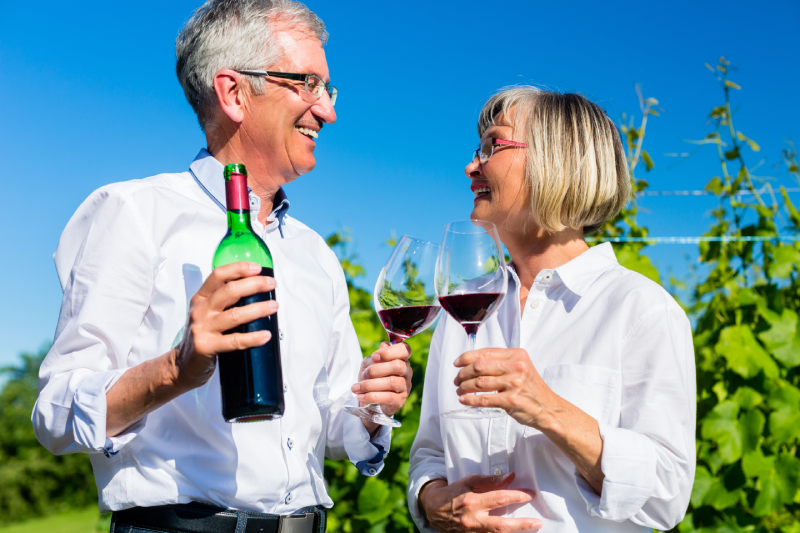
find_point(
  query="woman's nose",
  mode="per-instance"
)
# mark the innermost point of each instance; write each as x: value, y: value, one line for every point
x: 473, y: 169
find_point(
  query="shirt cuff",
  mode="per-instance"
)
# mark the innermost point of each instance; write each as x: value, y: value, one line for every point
x: 365, y: 453
x: 629, y: 467
x: 89, y: 421
x: 414, y: 486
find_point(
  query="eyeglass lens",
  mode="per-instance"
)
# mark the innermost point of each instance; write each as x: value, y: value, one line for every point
x: 485, y: 150
x: 316, y: 88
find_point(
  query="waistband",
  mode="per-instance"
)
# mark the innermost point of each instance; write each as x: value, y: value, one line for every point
x: 202, y: 518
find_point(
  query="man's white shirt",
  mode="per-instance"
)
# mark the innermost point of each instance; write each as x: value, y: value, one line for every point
x: 609, y: 341
x: 129, y: 261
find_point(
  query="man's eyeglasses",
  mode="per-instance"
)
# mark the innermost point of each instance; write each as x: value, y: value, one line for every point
x: 486, y: 148
x: 314, y: 85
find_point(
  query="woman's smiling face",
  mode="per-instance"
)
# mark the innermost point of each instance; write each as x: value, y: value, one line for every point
x: 499, y: 184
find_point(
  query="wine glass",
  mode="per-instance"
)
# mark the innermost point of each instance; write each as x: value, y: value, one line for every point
x: 406, y: 302
x: 471, y: 282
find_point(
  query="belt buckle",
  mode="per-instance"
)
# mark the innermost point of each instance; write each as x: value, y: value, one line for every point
x: 296, y: 523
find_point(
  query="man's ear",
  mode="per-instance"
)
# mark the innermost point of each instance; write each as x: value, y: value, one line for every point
x: 231, y: 96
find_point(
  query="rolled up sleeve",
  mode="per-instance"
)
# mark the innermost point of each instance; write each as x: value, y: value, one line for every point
x: 649, y: 460
x: 346, y: 435
x: 106, y: 268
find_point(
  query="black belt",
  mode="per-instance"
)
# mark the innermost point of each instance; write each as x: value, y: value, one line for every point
x: 201, y: 518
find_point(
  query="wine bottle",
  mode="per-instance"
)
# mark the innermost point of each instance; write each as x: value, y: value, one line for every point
x: 251, y: 380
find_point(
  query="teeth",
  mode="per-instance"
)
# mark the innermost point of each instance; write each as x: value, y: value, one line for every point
x: 481, y: 191
x: 305, y: 131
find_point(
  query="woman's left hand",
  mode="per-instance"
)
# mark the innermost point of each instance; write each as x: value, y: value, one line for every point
x: 521, y: 391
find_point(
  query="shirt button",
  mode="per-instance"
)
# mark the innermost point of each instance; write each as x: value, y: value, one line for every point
x: 280, y: 334
x: 498, y: 471
x: 290, y: 443
x: 285, y: 387
x: 289, y: 498
x: 372, y: 471
x: 534, y: 304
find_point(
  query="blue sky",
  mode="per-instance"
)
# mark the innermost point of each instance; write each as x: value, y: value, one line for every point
x: 89, y: 97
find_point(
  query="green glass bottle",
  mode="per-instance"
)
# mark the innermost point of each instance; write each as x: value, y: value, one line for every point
x: 251, y: 380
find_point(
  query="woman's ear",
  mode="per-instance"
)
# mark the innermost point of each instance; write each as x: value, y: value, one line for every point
x: 231, y: 94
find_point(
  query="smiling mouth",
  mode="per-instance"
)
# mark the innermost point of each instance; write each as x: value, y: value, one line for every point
x: 481, y: 191
x: 311, y: 134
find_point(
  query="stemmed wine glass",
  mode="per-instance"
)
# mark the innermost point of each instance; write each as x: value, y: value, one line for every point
x: 471, y: 283
x: 406, y: 302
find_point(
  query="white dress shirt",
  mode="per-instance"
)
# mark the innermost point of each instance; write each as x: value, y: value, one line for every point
x: 612, y: 343
x: 129, y: 261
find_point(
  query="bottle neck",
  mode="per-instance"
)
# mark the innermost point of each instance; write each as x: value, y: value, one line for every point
x: 238, y: 200
x: 239, y: 220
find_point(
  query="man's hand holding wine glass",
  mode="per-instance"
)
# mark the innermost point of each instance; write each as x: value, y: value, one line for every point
x: 385, y: 378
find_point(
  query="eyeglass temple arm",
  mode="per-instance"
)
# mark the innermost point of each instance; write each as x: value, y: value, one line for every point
x: 509, y: 143
x: 285, y: 75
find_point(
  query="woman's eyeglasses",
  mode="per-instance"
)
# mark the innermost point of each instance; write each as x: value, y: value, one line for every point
x: 314, y: 86
x: 486, y: 148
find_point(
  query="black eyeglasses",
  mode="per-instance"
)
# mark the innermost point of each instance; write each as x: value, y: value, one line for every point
x: 314, y: 86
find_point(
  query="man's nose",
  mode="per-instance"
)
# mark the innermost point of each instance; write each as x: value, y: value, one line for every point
x: 323, y: 110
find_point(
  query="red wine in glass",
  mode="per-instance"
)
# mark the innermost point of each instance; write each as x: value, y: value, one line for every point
x: 406, y: 302
x: 471, y: 284
x: 402, y: 323
x: 471, y: 309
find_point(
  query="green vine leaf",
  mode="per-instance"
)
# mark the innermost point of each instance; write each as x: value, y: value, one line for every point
x: 722, y: 426
x: 778, y: 487
x: 744, y: 354
x: 783, y: 340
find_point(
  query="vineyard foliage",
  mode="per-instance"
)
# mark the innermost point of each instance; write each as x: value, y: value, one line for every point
x: 744, y: 303
x: 747, y: 344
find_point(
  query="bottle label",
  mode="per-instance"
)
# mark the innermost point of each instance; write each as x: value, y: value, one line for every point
x: 236, y: 193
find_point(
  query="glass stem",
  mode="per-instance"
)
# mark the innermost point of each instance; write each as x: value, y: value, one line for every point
x: 472, y: 347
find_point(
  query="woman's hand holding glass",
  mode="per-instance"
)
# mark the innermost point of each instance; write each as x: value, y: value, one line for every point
x: 521, y: 391
x: 524, y: 395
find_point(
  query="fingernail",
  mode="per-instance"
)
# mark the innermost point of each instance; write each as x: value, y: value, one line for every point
x: 461, y: 399
x: 270, y: 283
x: 356, y: 387
x: 364, y: 375
x: 361, y: 397
x: 266, y: 334
x: 273, y: 305
x: 376, y: 357
x: 255, y: 267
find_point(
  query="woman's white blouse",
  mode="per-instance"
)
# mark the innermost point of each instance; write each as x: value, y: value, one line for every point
x: 609, y: 341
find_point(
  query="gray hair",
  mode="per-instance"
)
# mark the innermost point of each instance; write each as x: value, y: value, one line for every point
x: 576, y: 173
x: 239, y: 35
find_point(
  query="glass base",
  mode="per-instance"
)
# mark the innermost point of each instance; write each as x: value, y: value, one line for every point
x: 475, y: 412
x: 373, y: 413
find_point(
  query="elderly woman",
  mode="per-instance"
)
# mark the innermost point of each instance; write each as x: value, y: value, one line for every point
x: 592, y: 362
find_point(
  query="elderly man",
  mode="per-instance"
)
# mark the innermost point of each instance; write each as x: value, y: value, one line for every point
x: 131, y: 378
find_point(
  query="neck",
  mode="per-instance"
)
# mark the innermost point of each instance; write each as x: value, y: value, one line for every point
x: 228, y: 149
x: 538, y: 250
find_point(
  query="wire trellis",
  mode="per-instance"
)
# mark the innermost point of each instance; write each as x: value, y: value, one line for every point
x: 696, y: 240
x: 741, y: 192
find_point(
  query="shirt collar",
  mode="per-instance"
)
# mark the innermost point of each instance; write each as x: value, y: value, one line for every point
x: 579, y: 273
x: 207, y: 171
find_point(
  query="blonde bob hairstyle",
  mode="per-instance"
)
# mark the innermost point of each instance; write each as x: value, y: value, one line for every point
x: 576, y: 173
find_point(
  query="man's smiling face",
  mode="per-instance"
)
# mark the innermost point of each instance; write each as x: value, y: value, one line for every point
x: 281, y: 124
